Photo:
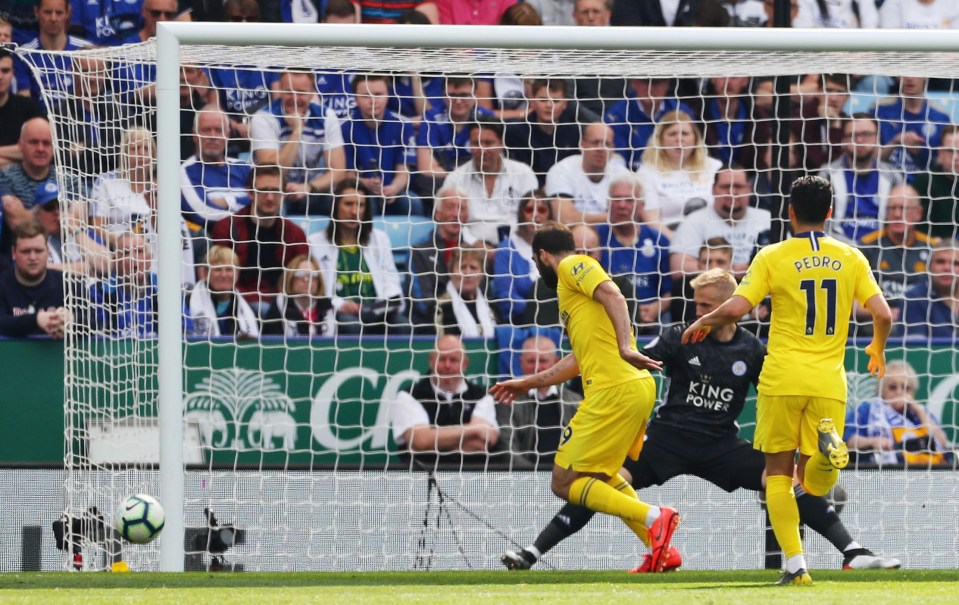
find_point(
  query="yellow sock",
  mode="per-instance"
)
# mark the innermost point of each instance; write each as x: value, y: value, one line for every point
x: 638, y: 528
x: 784, y: 514
x: 820, y: 475
x: 597, y: 495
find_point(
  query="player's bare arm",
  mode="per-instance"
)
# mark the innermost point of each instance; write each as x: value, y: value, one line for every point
x: 882, y: 325
x: 613, y: 301
x: 729, y: 312
x: 565, y: 369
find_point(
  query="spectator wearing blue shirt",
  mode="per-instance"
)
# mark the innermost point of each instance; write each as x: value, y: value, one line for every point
x: 729, y: 121
x: 634, y: 119
x: 124, y: 305
x: 107, y: 22
x: 336, y: 92
x: 379, y: 147
x: 413, y: 94
x: 630, y: 247
x: 53, y: 17
x: 910, y: 127
x: 212, y: 185
x: 443, y: 137
x: 930, y: 309
x: 514, y: 271
x: 861, y: 182
x: 305, y: 139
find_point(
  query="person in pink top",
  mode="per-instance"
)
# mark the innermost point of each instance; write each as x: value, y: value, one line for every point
x: 465, y: 12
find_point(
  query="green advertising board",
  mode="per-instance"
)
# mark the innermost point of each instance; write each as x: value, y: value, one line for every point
x: 293, y: 403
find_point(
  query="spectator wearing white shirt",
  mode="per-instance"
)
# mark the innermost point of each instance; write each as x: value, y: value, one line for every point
x: 554, y: 12
x: 580, y: 183
x: 493, y: 184
x: 837, y: 13
x: 676, y: 170
x: 730, y: 217
x: 919, y: 14
x: 303, y: 138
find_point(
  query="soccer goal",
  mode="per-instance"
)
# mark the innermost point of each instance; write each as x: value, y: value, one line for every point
x: 289, y: 440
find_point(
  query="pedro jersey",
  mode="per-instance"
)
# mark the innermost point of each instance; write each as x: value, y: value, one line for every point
x: 813, y: 280
x: 588, y: 326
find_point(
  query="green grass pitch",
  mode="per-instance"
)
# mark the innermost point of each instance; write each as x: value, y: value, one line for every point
x: 482, y: 587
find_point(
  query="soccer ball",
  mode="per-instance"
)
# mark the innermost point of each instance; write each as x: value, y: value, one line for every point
x: 140, y: 518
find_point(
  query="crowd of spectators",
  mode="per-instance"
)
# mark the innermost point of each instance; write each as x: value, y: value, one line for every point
x: 289, y: 179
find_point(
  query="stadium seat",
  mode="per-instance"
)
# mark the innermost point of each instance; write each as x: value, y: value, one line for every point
x: 948, y: 102
x: 403, y: 231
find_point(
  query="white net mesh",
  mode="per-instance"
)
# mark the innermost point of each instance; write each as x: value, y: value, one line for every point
x: 307, y: 324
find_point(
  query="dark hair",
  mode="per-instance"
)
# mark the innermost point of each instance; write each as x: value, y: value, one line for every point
x: 520, y: 13
x: 554, y: 85
x: 27, y: 230
x: 366, y: 221
x: 369, y: 78
x: 339, y: 8
x: 837, y: 79
x: 488, y: 123
x: 735, y: 167
x: 460, y: 80
x: 262, y: 170
x: 529, y: 199
x: 554, y: 238
x: 413, y: 17
x: 811, y: 199
x: 711, y: 14
x: 4, y: 53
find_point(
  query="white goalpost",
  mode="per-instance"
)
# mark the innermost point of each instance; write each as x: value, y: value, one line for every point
x: 291, y: 441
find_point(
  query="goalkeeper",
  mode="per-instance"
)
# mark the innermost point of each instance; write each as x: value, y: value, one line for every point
x: 694, y: 432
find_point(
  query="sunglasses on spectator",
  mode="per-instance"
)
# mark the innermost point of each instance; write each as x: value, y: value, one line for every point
x: 303, y: 274
x: 156, y: 14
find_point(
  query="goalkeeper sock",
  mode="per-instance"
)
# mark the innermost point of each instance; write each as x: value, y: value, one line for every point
x: 816, y: 512
x: 602, y: 497
x: 819, y: 476
x: 784, y: 514
x: 639, y: 529
x: 569, y: 520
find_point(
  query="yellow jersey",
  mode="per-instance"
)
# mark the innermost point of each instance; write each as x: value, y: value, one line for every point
x: 813, y: 280
x: 588, y: 326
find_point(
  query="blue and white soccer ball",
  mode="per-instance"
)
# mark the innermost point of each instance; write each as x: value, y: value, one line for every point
x: 140, y: 518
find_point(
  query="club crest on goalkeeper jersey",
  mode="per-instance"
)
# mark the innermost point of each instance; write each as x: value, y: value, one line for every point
x: 813, y: 280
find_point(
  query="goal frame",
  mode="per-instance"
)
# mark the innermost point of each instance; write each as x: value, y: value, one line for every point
x: 171, y: 35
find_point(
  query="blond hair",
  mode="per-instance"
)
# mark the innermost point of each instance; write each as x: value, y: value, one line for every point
x: 721, y: 278
x: 222, y: 255
x: 694, y: 162
x: 459, y: 255
x: 131, y: 136
x: 318, y: 287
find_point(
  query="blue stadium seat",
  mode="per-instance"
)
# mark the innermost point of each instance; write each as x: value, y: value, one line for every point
x: 403, y: 231
x: 861, y: 101
x: 948, y: 102
x: 309, y: 224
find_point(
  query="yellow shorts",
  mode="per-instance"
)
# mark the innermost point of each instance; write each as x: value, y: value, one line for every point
x: 786, y: 423
x: 608, y: 426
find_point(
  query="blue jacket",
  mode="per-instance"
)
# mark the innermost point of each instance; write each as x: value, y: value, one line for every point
x: 925, y: 315
x: 512, y: 286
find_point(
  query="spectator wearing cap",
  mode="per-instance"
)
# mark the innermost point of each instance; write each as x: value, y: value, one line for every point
x: 86, y: 255
x: 31, y: 294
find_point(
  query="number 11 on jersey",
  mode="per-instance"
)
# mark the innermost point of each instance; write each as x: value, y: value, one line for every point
x: 809, y: 287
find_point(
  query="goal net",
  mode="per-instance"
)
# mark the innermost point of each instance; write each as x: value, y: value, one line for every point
x: 409, y: 183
